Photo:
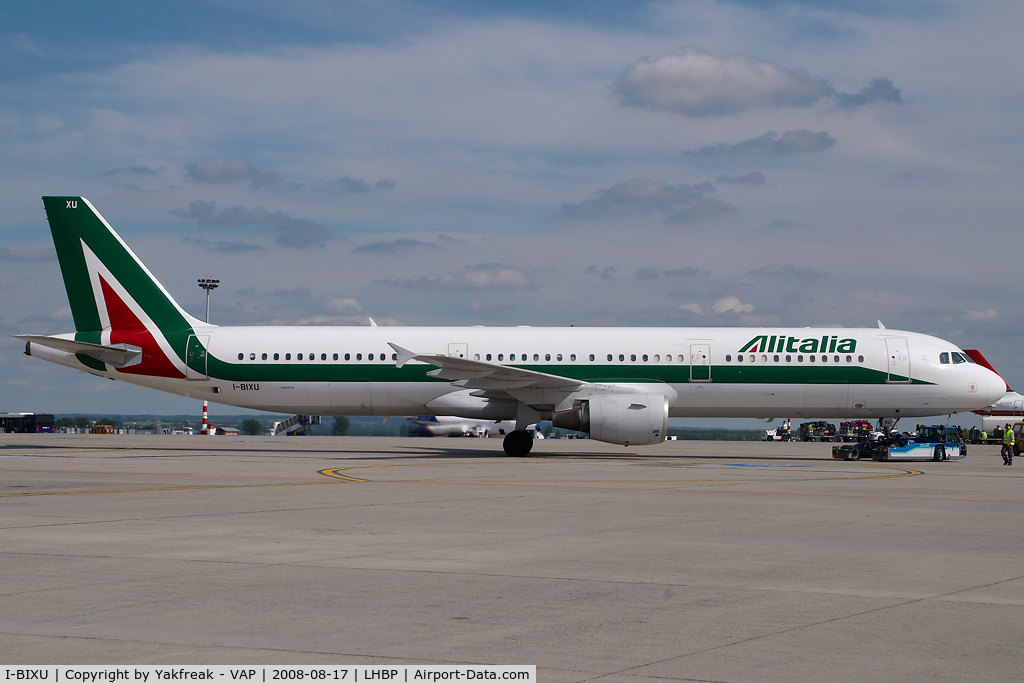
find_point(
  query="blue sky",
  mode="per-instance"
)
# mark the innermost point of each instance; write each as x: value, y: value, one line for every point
x: 689, y: 163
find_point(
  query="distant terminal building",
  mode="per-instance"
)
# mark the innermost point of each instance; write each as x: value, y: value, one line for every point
x: 26, y: 423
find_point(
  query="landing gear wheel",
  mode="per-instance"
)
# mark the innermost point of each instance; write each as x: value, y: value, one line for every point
x: 517, y: 444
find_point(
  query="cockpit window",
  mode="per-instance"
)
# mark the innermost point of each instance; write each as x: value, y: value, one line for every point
x: 957, y: 358
x: 944, y: 358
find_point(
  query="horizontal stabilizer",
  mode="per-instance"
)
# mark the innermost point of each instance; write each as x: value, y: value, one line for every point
x: 117, y: 355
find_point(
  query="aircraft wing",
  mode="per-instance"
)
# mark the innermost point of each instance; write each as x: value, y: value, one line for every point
x: 475, y: 374
x: 117, y: 355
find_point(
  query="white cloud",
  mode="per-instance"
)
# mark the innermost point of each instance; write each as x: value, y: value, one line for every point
x: 483, y: 276
x: 693, y: 308
x: 731, y: 304
x: 343, y: 306
x: 699, y: 84
x: 981, y: 316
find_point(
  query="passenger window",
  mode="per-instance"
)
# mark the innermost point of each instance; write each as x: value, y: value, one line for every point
x: 241, y: 356
x: 277, y: 356
x: 775, y: 358
x: 476, y: 357
x: 681, y: 359
x: 348, y: 357
x: 728, y: 358
x: 860, y: 359
x: 572, y: 357
x: 394, y: 356
x: 645, y: 357
x: 751, y: 358
x: 312, y: 356
x: 609, y: 357
x: 299, y: 357
x: 623, y: 357
x: 359, y: 356
x: 739, y: 358
x: 835, y: 359
x: 287, y: 356
x: 264, y: 356
x: 323, y: 356
x: 764, y: 359
x: 810, y: 358
x: 536, y: 356
x: 559, y: 357
x: 789, y: 359
x: 252, y: 356
x: 335, y: 356
x: 799, y: 359
x: 500, y: 355
x: 849, y: 359
x: 547, y: 356
x: 824, y: 359
x: 369, y: 356
x: 632, y: 357
x: 488, y: 356
x: 657, y: 358
x: 591, y: 356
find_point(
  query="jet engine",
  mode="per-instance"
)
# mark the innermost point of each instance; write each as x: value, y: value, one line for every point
x: 625, y: 419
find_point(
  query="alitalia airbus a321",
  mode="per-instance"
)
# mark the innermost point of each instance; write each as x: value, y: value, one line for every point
x: 620, y: 385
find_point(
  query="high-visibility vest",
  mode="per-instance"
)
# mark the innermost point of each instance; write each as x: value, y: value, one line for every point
x: 1008, y: 437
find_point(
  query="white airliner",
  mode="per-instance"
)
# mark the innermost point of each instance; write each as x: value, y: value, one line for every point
x: 1007, y: 410
x: 620, y: 385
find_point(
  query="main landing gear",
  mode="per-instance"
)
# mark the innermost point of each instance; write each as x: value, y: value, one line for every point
x: 517, y: 444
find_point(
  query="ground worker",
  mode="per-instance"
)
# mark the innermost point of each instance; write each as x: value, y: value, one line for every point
x: 1007, y: 446
x: 984, y: 436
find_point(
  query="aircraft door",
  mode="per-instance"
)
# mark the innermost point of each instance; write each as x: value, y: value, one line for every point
x: 898, y: 356
x: 196, y: 357
x: 700, y: 362
x: 1018, y: 407
x: 458, y: 350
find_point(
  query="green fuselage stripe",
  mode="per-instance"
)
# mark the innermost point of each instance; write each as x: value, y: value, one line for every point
x: 385, y: 371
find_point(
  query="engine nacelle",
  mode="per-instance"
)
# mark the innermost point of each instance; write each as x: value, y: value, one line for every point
x: 625, y: 419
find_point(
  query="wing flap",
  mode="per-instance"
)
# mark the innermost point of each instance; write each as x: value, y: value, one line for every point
x: 475, y: 374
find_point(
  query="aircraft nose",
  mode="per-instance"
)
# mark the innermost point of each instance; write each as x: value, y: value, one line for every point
x: 990, y: 386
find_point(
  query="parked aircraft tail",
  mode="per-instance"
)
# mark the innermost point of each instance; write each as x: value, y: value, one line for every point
x: 116, y: 303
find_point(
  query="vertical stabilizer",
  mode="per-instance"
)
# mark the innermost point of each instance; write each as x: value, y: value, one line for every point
x: 113, y: 296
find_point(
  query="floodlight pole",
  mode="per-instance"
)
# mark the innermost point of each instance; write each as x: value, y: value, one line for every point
x: 209, y: 285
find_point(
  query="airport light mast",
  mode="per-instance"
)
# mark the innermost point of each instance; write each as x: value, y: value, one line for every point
x: 209, y: 285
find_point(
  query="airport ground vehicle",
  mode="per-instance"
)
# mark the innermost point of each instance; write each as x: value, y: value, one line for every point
x: 818, y: 431
x: 26, y: 423
x: 778, y: 434
x: 857, y: 430
x: 936, y: 442
x: 783, y: 432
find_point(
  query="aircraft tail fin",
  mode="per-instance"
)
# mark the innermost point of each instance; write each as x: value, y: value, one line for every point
x: 96, y: 262
x: 114, y: 298
x: 975, y: 355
